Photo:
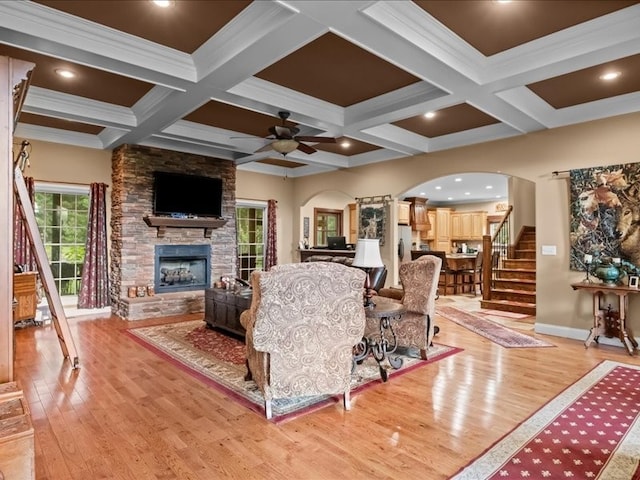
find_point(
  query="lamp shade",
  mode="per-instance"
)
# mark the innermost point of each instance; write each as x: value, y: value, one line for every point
x: 368, y: 253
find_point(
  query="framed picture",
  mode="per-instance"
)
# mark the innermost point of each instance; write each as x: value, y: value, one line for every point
x: 633, y: 282
x: 373, y: 217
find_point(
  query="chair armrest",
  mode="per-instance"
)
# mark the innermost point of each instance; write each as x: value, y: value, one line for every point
x: 394, y: 293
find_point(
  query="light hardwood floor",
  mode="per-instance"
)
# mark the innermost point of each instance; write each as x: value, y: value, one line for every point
x: 127, y: 414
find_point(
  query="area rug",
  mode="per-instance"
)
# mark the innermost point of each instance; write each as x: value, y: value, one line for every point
x: 219, y: 361
x: 589, y: 431
x: 500, y: 313
x: 491, y: 330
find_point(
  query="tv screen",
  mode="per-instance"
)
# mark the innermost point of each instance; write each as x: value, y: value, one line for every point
x: 337, y: 243
x: 190, y: 195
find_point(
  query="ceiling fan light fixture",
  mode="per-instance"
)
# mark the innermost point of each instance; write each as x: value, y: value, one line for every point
x: 284, y: 146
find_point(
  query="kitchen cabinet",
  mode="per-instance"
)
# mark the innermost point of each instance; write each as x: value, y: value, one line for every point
x: 443, y: 230
x: 353, y: 223
x: 478, y: 223
x: 439, y: 235
x: 468, y: 225
x: 404, y: 212
x: 431, y: 233
x: 418, y: 213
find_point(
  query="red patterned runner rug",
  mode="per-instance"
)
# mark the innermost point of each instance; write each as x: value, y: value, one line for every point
x: 590, y: 431
x: 493, y: 331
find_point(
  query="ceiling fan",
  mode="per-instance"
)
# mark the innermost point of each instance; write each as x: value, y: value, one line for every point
x: 286, y: 139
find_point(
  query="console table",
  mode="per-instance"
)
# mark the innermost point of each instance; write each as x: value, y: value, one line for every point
x: 384, y: 342
x: 304, y: 254
x: 598, y: 291
x: 222, y: 308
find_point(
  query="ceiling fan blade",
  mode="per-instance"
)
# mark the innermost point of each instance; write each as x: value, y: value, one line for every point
x: 306, y: 148
x: 316, y: 139
x: 267, y: 147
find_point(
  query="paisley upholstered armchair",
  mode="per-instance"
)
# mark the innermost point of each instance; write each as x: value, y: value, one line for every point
x: 419, y: 280
x: 303, y: 322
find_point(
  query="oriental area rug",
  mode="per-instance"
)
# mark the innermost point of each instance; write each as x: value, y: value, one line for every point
x: 219, y: 361
x: 589, y: 431
x: 493, y: 331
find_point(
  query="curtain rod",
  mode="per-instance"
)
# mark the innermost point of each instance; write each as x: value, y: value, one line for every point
x: 51, y: 182
x: 558, y: 172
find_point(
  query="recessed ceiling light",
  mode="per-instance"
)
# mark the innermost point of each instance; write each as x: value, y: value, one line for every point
x: 458, y: 179
x: 422, y: 194
x: 467, y: 193
x: 449, y: 198
x: 430, y: 114
x: 345, y: 144
x: 498, y: 196
x: 489, y: 187
x: 63, y: 72
x: 438, y: 187
x: 610, y: 76
x: 163, y: 3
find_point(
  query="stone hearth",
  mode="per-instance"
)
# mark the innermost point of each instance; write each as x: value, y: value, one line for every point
x: 133, y: 241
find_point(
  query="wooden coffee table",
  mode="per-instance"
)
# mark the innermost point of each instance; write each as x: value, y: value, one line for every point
x: 382, y: 344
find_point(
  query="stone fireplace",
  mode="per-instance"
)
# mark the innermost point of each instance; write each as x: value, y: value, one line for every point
x: 181, y: 268
x: 134, y: 242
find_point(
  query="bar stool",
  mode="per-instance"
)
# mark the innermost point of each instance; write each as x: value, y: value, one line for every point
x: 473, y: 276
x: 448, y: 276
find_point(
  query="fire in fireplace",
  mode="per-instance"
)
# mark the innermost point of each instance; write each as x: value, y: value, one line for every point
x: 180, y: 268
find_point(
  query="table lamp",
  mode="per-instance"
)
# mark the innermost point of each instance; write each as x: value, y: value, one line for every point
x: 367, y: 257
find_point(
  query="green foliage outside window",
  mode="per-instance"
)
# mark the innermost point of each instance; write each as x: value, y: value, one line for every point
x: 62, y: 220
x: 251, y: 235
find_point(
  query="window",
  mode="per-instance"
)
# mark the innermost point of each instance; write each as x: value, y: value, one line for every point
x: 251, y: 231
x: 62, y: 213
x: 327, y: 223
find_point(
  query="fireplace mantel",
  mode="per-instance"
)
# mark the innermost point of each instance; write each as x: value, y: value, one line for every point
x: 162, y: 223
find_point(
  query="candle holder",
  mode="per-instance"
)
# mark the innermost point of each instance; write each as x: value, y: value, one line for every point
x: 588, y: 261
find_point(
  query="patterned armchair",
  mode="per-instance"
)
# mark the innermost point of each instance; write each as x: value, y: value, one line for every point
x: 419, y: 280
x: 303, y: 322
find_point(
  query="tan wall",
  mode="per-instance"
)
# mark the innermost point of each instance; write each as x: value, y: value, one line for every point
x: 53, y: 162
x: 254, y: 186
x: 521, y: 195
x: 329, y: 200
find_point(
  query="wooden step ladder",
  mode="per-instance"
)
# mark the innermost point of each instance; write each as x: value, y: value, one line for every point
x: 53, y: 297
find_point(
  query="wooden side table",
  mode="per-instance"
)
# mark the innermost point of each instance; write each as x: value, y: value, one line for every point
x: 382, y: 343
x: 598, y: 291
x: 222, y: 308
x: 24, y: 291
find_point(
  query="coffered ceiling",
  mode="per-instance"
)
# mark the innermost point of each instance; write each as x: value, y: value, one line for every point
x: 209, y: 77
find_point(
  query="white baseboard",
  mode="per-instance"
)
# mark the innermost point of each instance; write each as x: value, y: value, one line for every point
x: 575, y: 334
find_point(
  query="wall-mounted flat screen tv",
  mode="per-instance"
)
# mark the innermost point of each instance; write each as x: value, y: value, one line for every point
x: 190, y: 195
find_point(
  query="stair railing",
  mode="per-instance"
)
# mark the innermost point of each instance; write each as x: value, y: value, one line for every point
x: 494, y: 249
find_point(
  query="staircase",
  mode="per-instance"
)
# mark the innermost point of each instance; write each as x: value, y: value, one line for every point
x: 513, y: 287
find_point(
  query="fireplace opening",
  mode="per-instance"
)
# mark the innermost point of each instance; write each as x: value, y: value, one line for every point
x: 180, y: 268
